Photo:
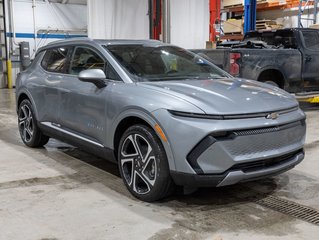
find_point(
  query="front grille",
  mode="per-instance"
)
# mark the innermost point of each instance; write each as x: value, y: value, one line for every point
x: 256, y: 131
x: 265, y: 163
x: 256, y: 143
x: 268, y: 130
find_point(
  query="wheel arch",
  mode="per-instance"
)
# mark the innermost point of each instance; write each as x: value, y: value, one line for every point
x: 22, y: 95
x: 132, y: 117
x: 272, y: 74
x: 123, y: 126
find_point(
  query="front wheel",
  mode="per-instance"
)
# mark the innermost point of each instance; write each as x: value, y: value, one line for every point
x: 143, y: 164
x: 30, y: 133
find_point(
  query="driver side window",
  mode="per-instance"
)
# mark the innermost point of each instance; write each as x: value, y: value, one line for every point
x: 85, y: 58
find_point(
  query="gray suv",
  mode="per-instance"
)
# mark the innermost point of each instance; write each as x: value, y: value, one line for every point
x: 167, y: 116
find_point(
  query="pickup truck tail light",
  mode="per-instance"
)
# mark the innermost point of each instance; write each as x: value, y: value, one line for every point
x: 234, y: 67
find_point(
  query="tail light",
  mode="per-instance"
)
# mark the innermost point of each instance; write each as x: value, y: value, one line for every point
x: 234, y: 67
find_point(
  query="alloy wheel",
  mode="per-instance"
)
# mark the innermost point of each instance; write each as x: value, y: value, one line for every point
x: 138, y: 163
x: 26, y: 124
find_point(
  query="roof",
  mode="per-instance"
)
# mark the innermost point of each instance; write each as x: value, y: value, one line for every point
x: 127, y: 41
x: 90, y: 41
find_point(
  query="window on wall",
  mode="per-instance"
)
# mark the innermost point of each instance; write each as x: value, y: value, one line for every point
x: 56, y: 60
x: 85, y: 58
x: 311, y: 39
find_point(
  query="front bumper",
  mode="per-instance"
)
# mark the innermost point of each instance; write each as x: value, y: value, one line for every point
x: 209, y: 152
x: 241, y: 172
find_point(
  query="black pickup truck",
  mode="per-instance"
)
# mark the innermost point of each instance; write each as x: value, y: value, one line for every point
x: 288, y: 58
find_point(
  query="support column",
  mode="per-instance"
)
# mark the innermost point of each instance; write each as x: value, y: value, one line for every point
x: 214, y: 9
x: 250, y: 9
x: 166, y: 18
x: 3, y: 48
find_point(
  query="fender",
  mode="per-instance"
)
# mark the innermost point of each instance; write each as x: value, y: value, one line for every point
x: 147, y: 117
x: 26, y: 92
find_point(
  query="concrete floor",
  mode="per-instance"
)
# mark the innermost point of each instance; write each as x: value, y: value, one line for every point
x: 60, y: 192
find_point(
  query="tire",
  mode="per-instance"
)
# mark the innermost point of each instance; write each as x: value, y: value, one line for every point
x: 143, y: 164
x: 30, y: 133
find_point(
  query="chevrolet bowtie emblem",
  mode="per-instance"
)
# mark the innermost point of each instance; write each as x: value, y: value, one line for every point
x: 272, y: 116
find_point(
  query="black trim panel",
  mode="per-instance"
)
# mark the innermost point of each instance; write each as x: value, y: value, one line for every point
x: 194, y: 180
x: 265, y: 163
x: 231, y: 116
x: 197, y: 151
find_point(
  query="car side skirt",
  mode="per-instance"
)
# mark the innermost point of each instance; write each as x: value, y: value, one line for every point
x: 86, y: 144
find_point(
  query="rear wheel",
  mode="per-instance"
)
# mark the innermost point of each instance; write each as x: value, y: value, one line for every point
x: 143, y: 164
x: 30, y: 133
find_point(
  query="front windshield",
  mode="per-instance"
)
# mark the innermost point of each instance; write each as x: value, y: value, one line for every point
x: 163, y: 63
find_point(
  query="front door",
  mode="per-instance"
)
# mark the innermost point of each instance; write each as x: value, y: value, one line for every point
x: 83, y: 105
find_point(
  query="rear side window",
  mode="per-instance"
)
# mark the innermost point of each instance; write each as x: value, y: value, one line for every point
x: 56, y: 60
x: 311, y: 39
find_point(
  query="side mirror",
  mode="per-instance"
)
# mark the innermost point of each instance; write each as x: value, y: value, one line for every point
x: 95, y: 76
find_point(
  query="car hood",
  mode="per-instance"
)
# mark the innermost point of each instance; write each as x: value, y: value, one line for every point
x: 227, y: 96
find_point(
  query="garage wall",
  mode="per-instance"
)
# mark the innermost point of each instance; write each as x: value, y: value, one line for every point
x: 118, y: 19
x: 49, y: 17
x: 189, y: 23
x: 56, y: 21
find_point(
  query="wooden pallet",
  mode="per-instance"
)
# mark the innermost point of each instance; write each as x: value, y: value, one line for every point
x: 261, y: 6
x: 267, y: 25
x: 233, y: 6
x: 233, y: 33
x: 315, y: 26
x: 234, y: 37
x: 233, y: 26
x: 232, y: 3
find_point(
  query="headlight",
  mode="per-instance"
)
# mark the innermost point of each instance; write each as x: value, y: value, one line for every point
x: 195, y: 115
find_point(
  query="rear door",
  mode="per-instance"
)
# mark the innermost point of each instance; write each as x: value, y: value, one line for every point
x: 310, y: 50
x: 47, y: 93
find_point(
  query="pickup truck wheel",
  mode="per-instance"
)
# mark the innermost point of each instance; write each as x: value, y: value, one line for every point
x: 143, y: 164
x: 272, y: 83
x: 30, y: 133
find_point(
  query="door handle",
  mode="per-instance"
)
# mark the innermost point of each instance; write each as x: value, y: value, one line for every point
x: 308, y: 58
